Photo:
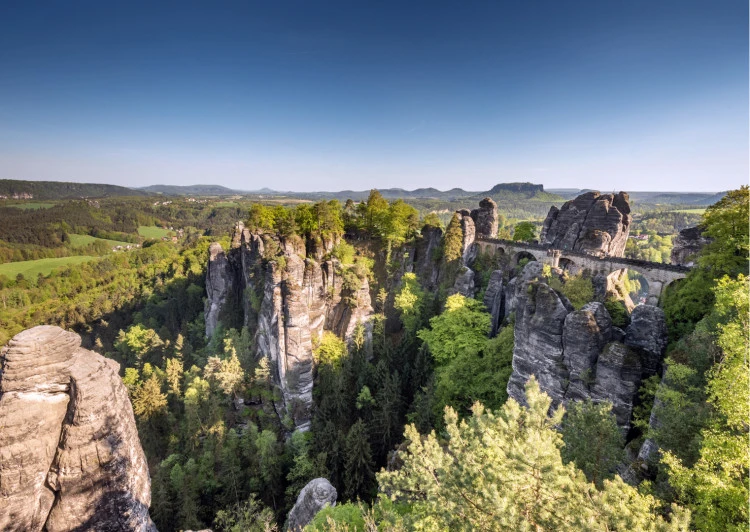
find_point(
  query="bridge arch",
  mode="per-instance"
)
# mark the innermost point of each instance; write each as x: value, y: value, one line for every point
x: 521, y: 255
x: 567, y: 264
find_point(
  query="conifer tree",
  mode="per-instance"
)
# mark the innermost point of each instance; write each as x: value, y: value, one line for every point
x: 359, y: 467
x: 453, y: 240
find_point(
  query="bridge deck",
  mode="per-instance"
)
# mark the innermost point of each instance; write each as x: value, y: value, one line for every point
x: 620, y: 260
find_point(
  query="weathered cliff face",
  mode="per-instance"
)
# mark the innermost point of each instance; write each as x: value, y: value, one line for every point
x: 592, y: 223
x: 494, y: 300
x: 578, y: 355
x: 469, y: 236
x: 70, y: 458
x: 315, y: 496
x: 687, y: 244
x: 219, y: 284
x: 290, y: 296
x: 485, y: 218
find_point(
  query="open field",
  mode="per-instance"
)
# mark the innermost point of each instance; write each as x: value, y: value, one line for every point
x: 31, y: 268
x: 226, y: 204
x: 84, y: 240
x: 151, y: 231
x: 31, y: 206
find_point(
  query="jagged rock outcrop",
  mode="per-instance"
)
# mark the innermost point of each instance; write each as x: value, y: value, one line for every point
x: 219, y: 284
x: 469, y: 235
x: 70, y: 458
x: 315, y: 496
x: 494, y: 300
x: 538, y: 346
x: 485, y: 218
x: 579, y: 354
x: 464, y: 283
x: 593, y: 223
x: 687, y: 244
x: 290, y: 295
x: 647, y: 333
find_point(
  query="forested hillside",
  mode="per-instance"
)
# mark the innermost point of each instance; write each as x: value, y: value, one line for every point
x: 411, y: 421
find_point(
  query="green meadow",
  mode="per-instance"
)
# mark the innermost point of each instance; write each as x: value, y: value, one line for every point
x: 151, y: 231
x: 31, y: 268
x: 78, y: 241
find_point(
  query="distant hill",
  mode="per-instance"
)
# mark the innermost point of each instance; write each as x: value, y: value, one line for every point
x: 56, y: 190
x: 500, y: 192
x: 700, y: 199
x: 519, y: 192
x: 190, y: 190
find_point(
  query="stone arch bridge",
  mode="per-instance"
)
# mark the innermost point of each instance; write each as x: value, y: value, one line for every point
x: 658, y: 275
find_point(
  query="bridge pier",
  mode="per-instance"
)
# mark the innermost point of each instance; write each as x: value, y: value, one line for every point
x: 654, y: 292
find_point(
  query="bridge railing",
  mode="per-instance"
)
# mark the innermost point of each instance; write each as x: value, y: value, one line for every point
x: 620, y: 260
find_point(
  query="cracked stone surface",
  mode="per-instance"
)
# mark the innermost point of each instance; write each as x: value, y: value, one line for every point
x: 70, y: 457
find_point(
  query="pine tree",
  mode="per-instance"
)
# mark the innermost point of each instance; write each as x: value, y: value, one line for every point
x: 503, y: 471
x: 359, y: 467
x: 592, y: 440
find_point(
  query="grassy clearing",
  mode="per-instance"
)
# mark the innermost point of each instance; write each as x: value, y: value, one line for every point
x: 78, y: 241
x: 31, y: 268
x: 151, y: 231
x: 226, y: 204
x: 31, y: 206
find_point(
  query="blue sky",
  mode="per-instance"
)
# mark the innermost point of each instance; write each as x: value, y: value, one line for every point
x: 318, y: 95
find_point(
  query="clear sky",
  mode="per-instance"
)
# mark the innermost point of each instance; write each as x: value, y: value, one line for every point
x: 319, y: 95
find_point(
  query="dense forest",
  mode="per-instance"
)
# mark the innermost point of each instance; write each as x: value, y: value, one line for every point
x: 416, y: 432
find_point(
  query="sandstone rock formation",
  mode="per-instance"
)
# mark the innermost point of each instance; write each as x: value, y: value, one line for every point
x: 579, y: 354
x: 219, y: 284
x: 494, y: 300
x: 315, y: 496
x: 687, y: 244
x: 464, y: 283
x: 485, y: 218
x: 70, y: 458
x: 592, y: 223
x: 469, y: 235
x: 291, y: 294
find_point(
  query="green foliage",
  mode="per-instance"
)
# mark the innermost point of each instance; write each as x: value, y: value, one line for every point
x: 618, y: 312
x: 261, y: 218
x: 347, y: 515
x: 689, y: 300
x: 524, y: 232
x: 453, y: 240
x: 503, y: 471
x: 331, y: 350
x: 344, y: 252
x: 359, y: 467
x: 463, y: 326
x: 248, y: 516
x: 148, y: 400
x: 726, y: 222
x: 717, y: 487
x: 578, y: 289
x: 410, y: 302
x: 476, y: 375
x: 593, y: 441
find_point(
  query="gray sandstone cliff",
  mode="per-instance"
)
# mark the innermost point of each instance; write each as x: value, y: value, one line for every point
x: 687, y: 244
x: 485, y: 218
x: 219, y: 285
x: 593, y: 223
x: 70, y: 458
x: 290, y: 295
x: 315, y: 496
x: 579, y: 354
